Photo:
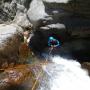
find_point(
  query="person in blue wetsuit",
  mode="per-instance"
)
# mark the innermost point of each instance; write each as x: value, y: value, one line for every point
x: 52, y: 42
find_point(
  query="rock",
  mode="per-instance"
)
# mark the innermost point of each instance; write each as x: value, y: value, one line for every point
x: 86, y: 65
x: 36, y: 6
x: 21, y: 17
x: 20, y: 76
x: 43, y: 14
x: 53, y: 26
x: 56, y: 1
x: 10, y: 40
x: 70, y: 19
x: 21, y: 20
x: 79, y: 7
x: 14, y: 10
x: 8, y: 31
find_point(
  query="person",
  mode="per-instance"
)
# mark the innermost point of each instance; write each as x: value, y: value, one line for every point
x: 52, y: 42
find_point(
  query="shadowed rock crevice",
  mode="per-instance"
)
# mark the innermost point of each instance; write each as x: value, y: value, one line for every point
x: 71, y: 47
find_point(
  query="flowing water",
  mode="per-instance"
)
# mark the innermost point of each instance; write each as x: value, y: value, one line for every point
x: 63, y: 74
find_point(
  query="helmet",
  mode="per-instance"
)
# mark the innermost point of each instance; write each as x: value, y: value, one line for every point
x: 51, y: 38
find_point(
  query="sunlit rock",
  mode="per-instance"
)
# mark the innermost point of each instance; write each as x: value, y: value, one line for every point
x: 10, y: 8
x: 36, y: 6
x: 8, y: 31
x: 20, y: 76
x: 53, y: 26
x: 21, y: 17
x: 57, y: 1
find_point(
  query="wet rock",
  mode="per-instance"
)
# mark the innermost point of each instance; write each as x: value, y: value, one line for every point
x: 36, y: 6
x: 20, y: 76
x: 86, y: 65
x: 8, y: 31
x: 10, y: 40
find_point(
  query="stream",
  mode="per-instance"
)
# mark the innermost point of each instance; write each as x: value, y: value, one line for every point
x: 64, y: 74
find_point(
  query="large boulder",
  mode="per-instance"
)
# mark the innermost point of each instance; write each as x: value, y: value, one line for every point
x: 20, y: 77
x: 8, y: 31
x: 21, y: 17
x: 10, y: 39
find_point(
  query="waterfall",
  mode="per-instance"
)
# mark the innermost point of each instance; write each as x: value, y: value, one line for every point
x: 64, y: 74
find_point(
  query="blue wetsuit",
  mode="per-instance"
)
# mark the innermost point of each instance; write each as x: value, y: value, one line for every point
x: 53, y: 42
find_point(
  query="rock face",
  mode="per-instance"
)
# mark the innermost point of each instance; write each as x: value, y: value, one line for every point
x: 67, y: 20
x: 36, y: 6
x: 73, y: 14
x: 13, y: 21
x: 49, y: 12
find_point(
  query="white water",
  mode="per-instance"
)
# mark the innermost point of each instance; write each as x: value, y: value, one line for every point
x: 64, y: 74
